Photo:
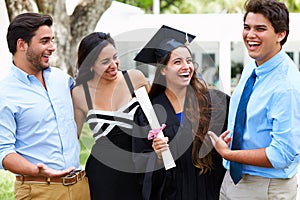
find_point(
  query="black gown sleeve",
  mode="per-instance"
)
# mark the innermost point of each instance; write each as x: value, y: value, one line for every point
x: 143, y: 155
x: 141, y: 146
x: 151, y: 173
x: 219, y: 117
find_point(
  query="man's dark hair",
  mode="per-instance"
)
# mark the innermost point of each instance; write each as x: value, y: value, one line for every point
x: 24, y: 26
x: 276, y: 12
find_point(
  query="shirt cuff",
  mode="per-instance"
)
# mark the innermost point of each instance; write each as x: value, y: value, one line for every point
x: 278, y: 159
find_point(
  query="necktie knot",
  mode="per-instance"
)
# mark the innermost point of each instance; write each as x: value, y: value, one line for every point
x: 253, y: 75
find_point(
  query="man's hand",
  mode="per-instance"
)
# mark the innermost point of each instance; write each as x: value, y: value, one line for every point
x: 256, y: 157
x: 45, y: 171
x: 220, y: 143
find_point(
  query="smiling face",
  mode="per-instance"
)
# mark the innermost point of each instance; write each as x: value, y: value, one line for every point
x: 107, y: 64
x: 260, y: 38
x: 37, y: 51
x: 179, y: 69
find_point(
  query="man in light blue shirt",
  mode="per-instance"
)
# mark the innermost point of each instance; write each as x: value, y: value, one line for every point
x: 38, y: 135
x: 269, y: 151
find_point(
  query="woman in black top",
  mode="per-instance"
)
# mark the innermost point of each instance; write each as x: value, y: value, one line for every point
x: 103, y: 98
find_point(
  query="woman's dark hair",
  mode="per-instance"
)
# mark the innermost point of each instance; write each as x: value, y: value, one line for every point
x: 196, y: 93
x: 276, y: 12
x: 24, y: 26
x: 88, y: 52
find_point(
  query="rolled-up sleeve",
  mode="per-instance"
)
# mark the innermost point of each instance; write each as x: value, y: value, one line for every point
x: 284, y: 148
x: 7, y: 132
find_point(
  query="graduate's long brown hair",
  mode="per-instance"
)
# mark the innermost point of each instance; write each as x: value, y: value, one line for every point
x: 197, y: 112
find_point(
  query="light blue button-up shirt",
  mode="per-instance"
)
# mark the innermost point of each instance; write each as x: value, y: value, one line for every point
x: 38, y: 123
x: 273, y: 115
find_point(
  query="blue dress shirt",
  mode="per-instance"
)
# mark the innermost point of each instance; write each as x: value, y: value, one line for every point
x: 273, y: 116
x: 38, y: 123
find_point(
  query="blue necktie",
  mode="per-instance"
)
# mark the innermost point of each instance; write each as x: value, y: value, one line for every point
x: 239, y: 127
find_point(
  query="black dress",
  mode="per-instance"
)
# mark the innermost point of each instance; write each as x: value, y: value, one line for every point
x: 182, y: 182
x: 109, y: 168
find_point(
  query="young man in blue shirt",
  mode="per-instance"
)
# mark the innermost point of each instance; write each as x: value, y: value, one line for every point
x: 38, y: 135
x: 269, y: 151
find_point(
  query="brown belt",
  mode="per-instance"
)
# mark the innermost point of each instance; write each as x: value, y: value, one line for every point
x: 70, y: 179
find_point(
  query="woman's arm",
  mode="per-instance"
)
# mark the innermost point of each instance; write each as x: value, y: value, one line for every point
x: 79, y: 114
x: 138, y: 79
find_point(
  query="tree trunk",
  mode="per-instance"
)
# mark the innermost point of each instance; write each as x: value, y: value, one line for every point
x: 68, y: 30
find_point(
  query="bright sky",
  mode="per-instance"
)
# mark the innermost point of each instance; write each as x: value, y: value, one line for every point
x: 70, y: 5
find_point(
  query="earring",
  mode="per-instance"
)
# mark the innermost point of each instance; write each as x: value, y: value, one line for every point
x: 162, y: 72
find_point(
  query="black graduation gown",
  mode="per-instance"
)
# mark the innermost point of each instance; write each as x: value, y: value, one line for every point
x: 184, y: 181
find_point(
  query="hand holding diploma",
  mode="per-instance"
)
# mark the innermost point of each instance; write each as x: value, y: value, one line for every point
x: 157, y: 134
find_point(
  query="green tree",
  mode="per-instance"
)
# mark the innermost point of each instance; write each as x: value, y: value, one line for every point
x: 201, y: 6
x: 293, y: 5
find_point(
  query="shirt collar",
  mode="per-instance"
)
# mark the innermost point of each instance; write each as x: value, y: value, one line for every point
x: 20, y: 74
x: 270, y: 65
x: 23, y: 76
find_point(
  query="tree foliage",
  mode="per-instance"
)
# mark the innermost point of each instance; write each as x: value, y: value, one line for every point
x: 201, y: 6
x: 293, y: 5
x: 68, y: 29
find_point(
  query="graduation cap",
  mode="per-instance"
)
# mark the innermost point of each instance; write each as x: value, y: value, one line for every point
x: 165, y: 40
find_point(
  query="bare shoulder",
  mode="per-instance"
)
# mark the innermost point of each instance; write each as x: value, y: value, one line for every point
x: 137, y: 77
x: 78, y: 96
x: 77, y: 90
x: 134, y: 73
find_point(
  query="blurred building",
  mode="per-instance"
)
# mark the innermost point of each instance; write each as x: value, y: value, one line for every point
x: 218, y: 47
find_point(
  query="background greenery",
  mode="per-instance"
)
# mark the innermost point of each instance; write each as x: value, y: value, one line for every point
x: 86, y: 142
x: 6, y: 185
x: 7, y: 179
x: 201, y: 6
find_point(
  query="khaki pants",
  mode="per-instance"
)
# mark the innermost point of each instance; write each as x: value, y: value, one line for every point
x: 256, y: 187
x: 53, y: 191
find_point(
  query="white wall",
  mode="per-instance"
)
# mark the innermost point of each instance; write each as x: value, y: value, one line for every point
x: 5, y: 56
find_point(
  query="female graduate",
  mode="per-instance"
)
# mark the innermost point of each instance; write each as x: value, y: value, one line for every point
x: 188, y: 109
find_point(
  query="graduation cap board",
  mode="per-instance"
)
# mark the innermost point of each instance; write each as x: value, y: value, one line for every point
x: 165, y: 40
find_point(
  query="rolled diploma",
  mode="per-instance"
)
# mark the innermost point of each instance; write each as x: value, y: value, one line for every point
x: 143, y: 98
